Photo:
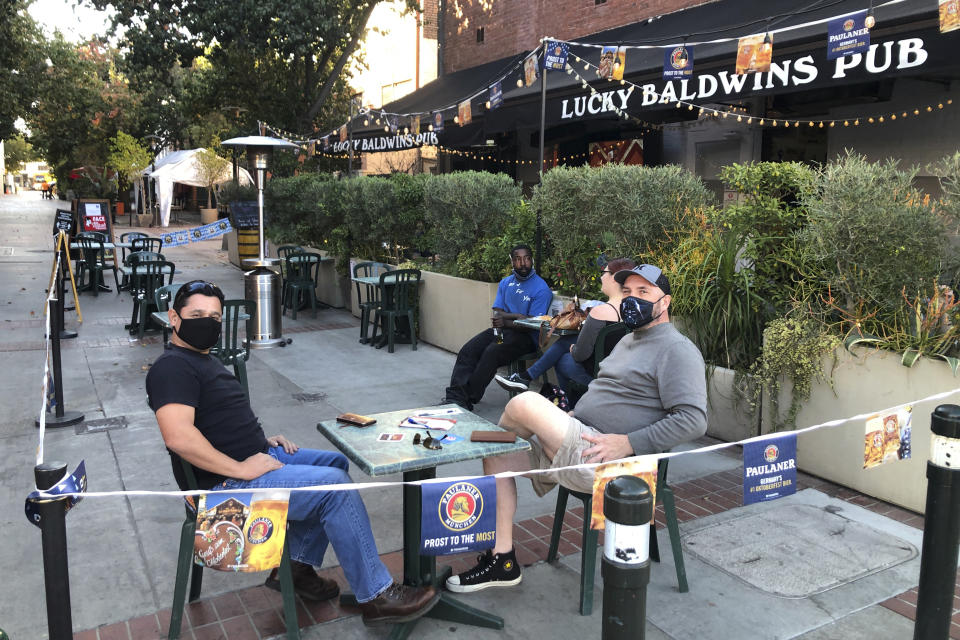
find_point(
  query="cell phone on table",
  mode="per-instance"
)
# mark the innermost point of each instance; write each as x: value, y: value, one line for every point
x: 356, y: 419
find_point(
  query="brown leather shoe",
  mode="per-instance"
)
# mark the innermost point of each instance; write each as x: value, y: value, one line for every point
x: 306, y: 583
x: 399, y: 603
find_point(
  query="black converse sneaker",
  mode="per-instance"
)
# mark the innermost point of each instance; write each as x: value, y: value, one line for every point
x: 492, y: 570
x: 516, y: 382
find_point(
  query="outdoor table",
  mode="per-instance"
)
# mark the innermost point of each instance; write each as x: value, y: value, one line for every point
x: 106, y: 245
x: 543, y: 325
x: 416, y: 462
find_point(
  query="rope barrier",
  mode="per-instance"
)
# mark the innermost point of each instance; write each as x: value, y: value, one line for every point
x: 357, y: 486
x: 51, y: 295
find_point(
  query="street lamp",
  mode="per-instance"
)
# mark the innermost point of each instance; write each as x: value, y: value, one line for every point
x: 262, y: 282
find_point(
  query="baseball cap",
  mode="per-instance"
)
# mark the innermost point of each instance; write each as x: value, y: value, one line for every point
x: 648, y: 272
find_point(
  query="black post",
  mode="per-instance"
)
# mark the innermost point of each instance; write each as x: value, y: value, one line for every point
x: 941, y: 527
x: 543, y: 121
x: 61, y: 417
x: 56, y: 576
x: 61, y: 290
x: 628, y: 509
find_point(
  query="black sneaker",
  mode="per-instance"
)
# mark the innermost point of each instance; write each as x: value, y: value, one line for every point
x: 515, y: 382
x: 492, y: 570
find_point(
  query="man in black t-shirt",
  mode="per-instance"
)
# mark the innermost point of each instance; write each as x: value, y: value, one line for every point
x: 205, y: 418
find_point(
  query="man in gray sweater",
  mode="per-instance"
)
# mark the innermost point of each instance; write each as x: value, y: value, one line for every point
x: 649, y: 396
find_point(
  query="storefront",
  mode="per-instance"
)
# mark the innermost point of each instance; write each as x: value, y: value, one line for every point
x: 898, y: 97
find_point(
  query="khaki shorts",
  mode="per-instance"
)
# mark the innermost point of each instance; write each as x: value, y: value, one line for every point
x: 570, y: 453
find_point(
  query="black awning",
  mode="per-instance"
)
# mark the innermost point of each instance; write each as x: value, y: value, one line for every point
x: 716, y: 20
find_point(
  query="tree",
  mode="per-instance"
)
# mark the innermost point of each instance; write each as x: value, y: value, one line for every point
x: 128, y: 158
x: 82, y: 102
x: 16, y: 152
x: 21, y: 60
x: 281, y: 59
x: 212, y: 170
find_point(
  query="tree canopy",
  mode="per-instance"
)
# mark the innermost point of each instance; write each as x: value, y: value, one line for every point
x: 281, y: 60
x: 21, y: 60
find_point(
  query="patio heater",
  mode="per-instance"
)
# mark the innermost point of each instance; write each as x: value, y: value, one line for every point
x: 262, y: 280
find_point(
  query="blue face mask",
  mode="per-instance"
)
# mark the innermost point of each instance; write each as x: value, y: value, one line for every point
x: 636, y: 312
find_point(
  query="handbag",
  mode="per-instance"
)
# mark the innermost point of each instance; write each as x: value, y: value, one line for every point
x: 556, y: 395
x: 571, y: 318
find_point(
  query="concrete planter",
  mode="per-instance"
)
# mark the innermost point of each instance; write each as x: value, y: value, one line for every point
x: 453, y: 310
x: 207, y: 216
x: 728, y: 412
x: 866, y: 383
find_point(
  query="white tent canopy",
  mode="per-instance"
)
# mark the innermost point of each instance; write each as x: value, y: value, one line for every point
x: 182, y: 167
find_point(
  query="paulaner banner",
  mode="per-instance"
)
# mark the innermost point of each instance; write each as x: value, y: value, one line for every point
x: 197, y: 234
x: 75, y: 482
x: 769, y: 469
x: 848, y: 35
x: 459, y: 516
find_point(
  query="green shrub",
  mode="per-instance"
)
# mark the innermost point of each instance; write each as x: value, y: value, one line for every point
x: 793, y: 349
x: 714, y: 293
x: 622, y: 210
x: 490, y: 259
x: 303, y: 209
x: 878, y: 240
x: 462, y: 209
x: 367, y: 202
x: 769, y: 217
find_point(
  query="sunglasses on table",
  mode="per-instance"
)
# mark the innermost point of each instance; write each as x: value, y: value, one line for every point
x: 429, y: 442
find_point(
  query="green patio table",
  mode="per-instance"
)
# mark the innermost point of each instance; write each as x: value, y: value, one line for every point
x: 416, y: 462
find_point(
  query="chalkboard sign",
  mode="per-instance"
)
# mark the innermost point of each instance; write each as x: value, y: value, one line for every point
x: 94, y: 215
x: 245, y: 215
x: 63, y: 222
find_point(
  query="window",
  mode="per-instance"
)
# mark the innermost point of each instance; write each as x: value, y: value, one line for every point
x: 598, y: 2
x: 480, y: 35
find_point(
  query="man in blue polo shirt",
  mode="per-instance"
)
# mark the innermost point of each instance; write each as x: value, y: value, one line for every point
x: 520, y: 295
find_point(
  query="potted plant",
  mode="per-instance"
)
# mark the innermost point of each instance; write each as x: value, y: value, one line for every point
x: 212, y: 170
x: 129, y: 159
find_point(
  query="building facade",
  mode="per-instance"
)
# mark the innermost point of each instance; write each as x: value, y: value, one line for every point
x: 896, y: 97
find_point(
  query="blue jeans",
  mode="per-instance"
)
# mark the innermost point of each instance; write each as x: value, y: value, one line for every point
x: 558, y: 356
x: 316, y: 518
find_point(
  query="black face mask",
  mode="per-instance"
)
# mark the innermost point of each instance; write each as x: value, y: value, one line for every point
x: 199, y: 333
x: 636, y: 312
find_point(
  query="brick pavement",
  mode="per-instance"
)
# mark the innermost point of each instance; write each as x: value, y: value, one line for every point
x: 257, y: 612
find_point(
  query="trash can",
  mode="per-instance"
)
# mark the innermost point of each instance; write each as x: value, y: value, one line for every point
x: 262, y: 284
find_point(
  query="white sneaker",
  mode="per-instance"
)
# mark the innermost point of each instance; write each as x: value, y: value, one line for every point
x: 514, y: 383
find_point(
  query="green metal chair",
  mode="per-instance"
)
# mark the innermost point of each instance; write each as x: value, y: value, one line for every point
x: 607, y: 339
x: 146, y: 243
x: 303, y: 269
x: 398, y: 290
x: 187, y: 482
x: 130, y: 262
x: 283, y: 251
x: 162, y: 298
x: 231, y: 351
x: 129, y: 236
x: 590, y: 537
x: 370, y: 302
x: 146, y: 279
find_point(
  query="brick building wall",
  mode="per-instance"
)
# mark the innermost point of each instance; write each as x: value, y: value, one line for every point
x: 429, y: 18
x: 511, y: 26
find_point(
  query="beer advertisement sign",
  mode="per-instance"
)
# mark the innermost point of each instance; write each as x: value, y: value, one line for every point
x: 769, y: 469
x: 458, y: 516
x: 241, y: 531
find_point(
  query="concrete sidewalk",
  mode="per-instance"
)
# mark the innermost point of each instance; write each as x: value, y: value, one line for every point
x: 123, y: 550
